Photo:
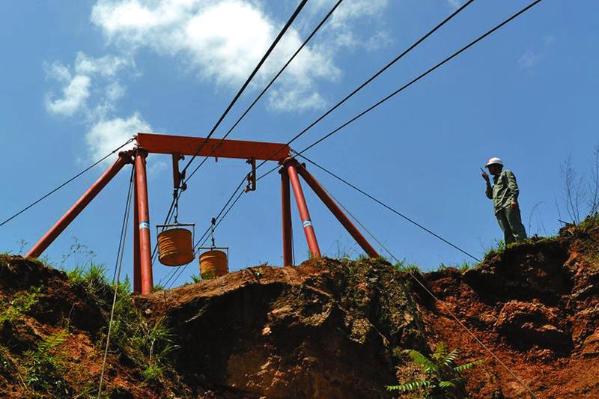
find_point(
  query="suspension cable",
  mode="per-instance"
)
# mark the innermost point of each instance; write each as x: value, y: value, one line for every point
x: 202, y: 243
x: 207, y: 231
x: 116, y: 277
x: 49, y: 193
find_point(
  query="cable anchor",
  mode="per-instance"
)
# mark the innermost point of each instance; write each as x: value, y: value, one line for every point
x: 251, y: 177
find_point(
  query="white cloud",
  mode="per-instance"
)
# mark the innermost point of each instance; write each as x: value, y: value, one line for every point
x: 106, y: 135
x: 217, y: 40
x: 78, y: 83
x: 74, y: 94
x: 222, y: 40
x: 104, y: 66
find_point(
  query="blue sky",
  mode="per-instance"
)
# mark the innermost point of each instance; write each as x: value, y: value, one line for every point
x: 80, y: 77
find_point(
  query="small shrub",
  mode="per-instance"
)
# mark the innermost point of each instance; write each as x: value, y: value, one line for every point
x: 443, y: 379
x: 152, y: 373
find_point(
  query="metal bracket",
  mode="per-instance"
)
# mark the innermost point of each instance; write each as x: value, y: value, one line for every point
x: 251, y: 177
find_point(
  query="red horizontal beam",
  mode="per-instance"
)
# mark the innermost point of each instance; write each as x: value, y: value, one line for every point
x: 184, y: 145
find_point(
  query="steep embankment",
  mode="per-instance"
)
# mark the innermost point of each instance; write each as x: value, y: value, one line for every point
x: 325, y: 329
x: 536, y: 305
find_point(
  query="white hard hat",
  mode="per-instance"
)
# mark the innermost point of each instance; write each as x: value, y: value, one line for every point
x: 494, y: 161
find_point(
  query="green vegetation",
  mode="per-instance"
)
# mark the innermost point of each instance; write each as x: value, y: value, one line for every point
x: 404, y: 267
x: 19, y: 305
x: 442, y: 377
x: 92, y: 279
x: 147, y: 343
x: 590, y: 222
x: 151, y: 344
x: 464, y: 267
x: 45, y: 367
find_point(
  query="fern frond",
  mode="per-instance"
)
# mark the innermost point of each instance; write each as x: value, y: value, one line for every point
x: 409, y: 386
x: 467, y: 366
x: 446, y: 384
x: 450, y: 359
x: 424, y: 362
x: 440, y: 352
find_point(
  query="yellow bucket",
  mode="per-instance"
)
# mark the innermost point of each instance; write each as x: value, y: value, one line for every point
x: 175, y: 247
x: 213, y: 264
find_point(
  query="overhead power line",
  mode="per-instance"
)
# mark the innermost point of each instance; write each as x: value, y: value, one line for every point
x: 57, y: 188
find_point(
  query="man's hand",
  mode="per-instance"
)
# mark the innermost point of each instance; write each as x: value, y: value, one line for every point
x: 485, y: 176
x: 514, y: 205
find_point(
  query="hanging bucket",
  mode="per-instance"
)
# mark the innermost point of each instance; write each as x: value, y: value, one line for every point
x: 213, y: 263
x: 175, y: 245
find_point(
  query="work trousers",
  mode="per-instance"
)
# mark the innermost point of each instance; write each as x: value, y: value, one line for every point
x: 511, y: 223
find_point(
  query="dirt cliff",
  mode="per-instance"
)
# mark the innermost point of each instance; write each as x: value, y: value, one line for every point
x: 325, y: 329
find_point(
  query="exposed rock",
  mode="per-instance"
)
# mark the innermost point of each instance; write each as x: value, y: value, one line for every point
x: 305, y: 332
x: 527, y: 324
x: 590, y: 347
x: 527, y: 271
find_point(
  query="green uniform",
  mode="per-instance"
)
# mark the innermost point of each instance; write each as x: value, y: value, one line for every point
x: 504, y: 193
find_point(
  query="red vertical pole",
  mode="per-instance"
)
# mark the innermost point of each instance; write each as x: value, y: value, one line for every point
x: 334, y: 208
x: 136, y: 254
x: 78, y: 206
x: 145, y: 245
x: 286, y: 218
x: 303, y: 210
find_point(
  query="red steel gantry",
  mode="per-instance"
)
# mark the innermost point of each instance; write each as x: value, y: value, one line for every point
x: 177, y: 146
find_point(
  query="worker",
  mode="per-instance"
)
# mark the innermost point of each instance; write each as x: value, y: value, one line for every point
x: 504, y: 194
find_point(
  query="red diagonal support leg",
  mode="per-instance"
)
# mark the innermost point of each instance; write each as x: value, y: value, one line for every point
x: 303, y: 210
x: 145, y: 245
x: 334, y: 208
x: 136, y: 254
x: 286, y: 218
x: 78, y: 206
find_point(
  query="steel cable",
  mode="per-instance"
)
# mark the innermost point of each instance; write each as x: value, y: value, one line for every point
x: 49, y: 193
x: 388, y: 207
x: 267, y: 87
x: 249, y: 79
x: 115, y: 279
